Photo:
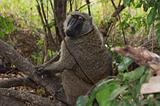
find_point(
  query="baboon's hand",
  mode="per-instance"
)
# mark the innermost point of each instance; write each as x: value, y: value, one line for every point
x: 40, y: 69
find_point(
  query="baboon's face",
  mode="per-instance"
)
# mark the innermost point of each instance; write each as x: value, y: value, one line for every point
x: 77, y: 24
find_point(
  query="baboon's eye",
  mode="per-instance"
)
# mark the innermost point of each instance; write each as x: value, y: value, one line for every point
x: 74, y: 16
x: 80, y: 18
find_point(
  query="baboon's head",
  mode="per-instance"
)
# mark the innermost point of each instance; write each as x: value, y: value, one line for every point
x: 77, y: 24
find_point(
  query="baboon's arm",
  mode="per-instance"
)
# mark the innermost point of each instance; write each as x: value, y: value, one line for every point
x: 61, y: 64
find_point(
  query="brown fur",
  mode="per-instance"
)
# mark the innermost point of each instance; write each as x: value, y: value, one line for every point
x: 91, y: 54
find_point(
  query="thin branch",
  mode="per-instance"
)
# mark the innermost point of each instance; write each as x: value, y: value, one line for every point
x: 51, y: 3
x: 123, y: 33
x: 84, y: 5
x: 46, y: 21
x: 45, y: 31
x: 114, y: 5
x: 88, y: 5
x: 118, y: 10
x: 55, y: 58
x: 110, y: 23
x: 119, y: 3
x: 70, y: 5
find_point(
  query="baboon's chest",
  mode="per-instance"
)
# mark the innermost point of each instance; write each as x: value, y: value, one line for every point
x: 93, y: 64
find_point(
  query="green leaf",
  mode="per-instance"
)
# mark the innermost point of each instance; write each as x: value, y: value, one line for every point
x: 51, y: 24
x: 158, y: 35
x: 103, y: 95
x: 125, y: 64
x: 135, y: 74
x: 145, y: 77
x: 117, y: 92
x: 6, y: 26
x: 127, y: 2
x: 145, y: 6
x: 158, y: 32
x: 139, y: 4
x: 82, y: 101
x: 151, y: 16
x: 102, y: 91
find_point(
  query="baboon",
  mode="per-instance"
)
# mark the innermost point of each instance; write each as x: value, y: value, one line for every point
x: 84, y: 59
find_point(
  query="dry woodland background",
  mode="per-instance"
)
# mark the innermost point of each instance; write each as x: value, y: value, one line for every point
x: 30, y: 35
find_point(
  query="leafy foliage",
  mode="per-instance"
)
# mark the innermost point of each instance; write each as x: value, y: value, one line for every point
x: 24, y: 12
x: 121, y: 91
x: 6, y: 26
x: 152, y: 7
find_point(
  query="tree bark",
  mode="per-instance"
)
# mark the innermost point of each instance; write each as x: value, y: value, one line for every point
x: 25, y: 97
x: 60, y: 16
x: 51, y: 84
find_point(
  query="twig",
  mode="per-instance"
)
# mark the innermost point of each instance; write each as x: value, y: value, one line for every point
x: 45, y: 31
x: 70, y: 5
x: 55, y: 58
x: 123, y: 33
x: 118, y: 10
x: 114, y: 5
x: 88, y: 5
x: 110, y: 23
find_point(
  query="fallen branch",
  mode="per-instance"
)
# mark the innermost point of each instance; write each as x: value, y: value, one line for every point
x: 8, y: 101
x: 142, y: 57
x: 27, y: 97
x: 51, y: 84
x: 16, y: 82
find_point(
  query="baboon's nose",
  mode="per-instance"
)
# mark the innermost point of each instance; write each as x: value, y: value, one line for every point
x: 69, y: 33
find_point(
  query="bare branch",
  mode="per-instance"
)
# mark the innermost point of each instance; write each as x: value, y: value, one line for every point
x: 16, y: 82
x: 27, y: 97
x: 8, y: 101
x: 118, y: 10
x: 50, y: 83
x: 123, y: 33
x: 142, y: 57
x: 110, y: 23
x: 114, y: 5
x: 88, y: 5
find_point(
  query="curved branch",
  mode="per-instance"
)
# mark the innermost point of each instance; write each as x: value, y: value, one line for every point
x: 21, y: 63
x: 50, y: 83
x: 110, y: 23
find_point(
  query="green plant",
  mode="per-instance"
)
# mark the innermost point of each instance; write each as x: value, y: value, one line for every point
x: 6, y: 26
x: 124, y: 90
x: 152, y: 7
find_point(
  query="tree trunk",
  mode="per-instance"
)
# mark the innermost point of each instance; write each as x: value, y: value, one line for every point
x: 59, y: 16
